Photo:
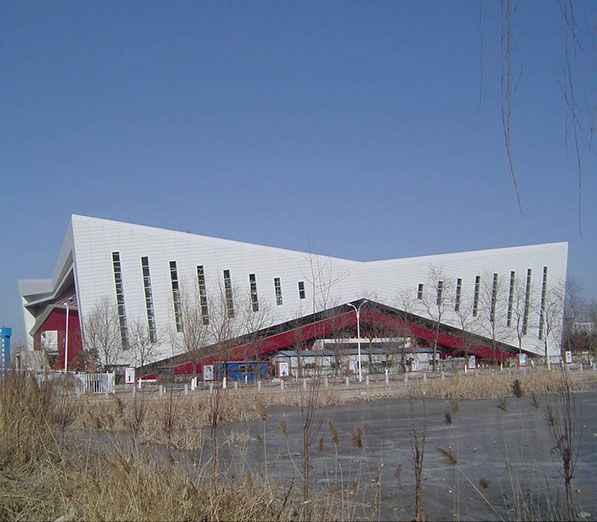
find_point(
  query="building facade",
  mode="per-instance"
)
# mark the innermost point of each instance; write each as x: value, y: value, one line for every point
x: 155, y: 280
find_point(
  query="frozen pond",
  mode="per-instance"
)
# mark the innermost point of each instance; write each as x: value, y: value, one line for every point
x: 498, y: 452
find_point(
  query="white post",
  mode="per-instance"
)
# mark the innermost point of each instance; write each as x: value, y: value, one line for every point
x: 424, y: 376
x: 443, y: 377
x: 235, y: 385
x: 224, y: 382
x: 186, y: 389
x: 360, y: 361
x: 387, y: 377
x: 211, y: 388
x: 281, y: 385
x: 580, y: 368
x: 326, y: 382
x: 304, y: 384
x: 258, y: 385
x: 367, y: 380
x: 347, y: 381
x: 246, y: 379
x: 66, y: 342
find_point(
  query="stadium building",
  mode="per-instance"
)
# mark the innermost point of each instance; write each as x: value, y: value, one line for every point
x: 181, y: 300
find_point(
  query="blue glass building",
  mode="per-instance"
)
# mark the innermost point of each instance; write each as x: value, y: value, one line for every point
x: 5, y: 334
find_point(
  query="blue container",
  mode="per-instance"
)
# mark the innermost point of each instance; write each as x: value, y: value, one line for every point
x: 237, y: 371
x: 5, y: 334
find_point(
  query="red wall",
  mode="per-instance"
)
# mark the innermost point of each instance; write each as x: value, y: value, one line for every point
x: 57, y: 321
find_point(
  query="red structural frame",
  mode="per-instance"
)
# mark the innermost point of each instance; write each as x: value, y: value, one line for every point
x: 56, y: 320
x: 324, y: 327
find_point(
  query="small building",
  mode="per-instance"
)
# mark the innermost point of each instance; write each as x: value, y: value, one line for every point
x: 344, y: 361
x: 5, y: 334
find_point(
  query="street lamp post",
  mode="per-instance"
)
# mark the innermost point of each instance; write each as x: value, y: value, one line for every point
x: 358, y: 312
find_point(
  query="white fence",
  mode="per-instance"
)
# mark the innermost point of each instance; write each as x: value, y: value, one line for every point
x: 78, y: 382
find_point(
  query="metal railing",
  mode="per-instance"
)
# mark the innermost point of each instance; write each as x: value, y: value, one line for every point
x: 71, y: 382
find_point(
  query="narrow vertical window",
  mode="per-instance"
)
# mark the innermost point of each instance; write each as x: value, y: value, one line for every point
x: 511, y: 297
x: 148, y: 299
x: 458, y: 294
x: 527, y: 303
x: 542, y: 309
x: 120, y: 299
x: 202, y: 294
x: 278, y: 290
x: 420, y: 291
x: 476, y: 297
x: 301, y: 288
x: 494, y: 290
x: 254, y: 297
x: 440, y: 291
x: 176, y: 296
x: 228, y: 294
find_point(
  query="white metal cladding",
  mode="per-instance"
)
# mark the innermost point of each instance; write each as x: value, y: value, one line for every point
x: 328, y: 281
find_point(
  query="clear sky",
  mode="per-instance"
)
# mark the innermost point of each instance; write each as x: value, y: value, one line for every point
x: 353, y: 127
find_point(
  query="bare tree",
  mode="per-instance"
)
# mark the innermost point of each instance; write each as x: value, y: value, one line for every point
x: 406, y: 302
x: 143, y: 343
x: 591, y: 316
x: 191, y: 331
x: 521, y: 309
x: 399, y: 331
x: 311, y: 424
x: 226, y: 324
x: 393, y: 330
x: 299, y: 344
x: 255, y: 324
x: 437, y: 300
x: 566, y: 434
x: 102, y: 333
x: 466, y: 321
x: 580, y: 326
x: 322, y: 276
x: 551, y: 316
x: 573, y: 310
x: 493, y: 298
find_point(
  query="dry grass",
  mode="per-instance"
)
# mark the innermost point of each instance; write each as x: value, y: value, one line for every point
x: 88, y: 460
x: 96, y: 458
x: 500, y: 384
x: 188, y: 416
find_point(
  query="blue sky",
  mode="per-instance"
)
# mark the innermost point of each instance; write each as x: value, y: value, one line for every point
x: 352, y: 126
